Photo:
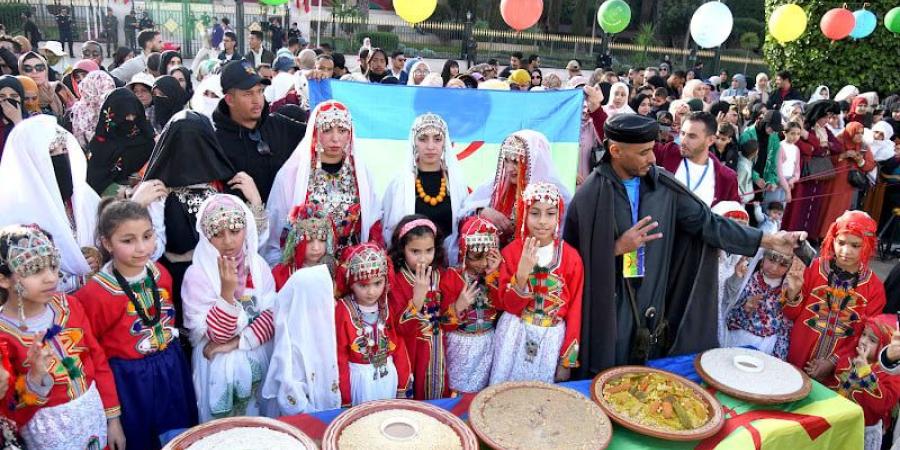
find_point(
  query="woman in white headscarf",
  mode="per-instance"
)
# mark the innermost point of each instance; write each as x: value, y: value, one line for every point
x: 761, y: 88
x: 792, y: 111
x: 86, y: 111
x: 821, y: 93
x: 324, y: 169
x: 206, y: 98
x: 430, y: 184
x: 228, y: 296
x: 417, y: 73
x: 524, y: 159
x: 44, y: 173
x: 847, y: 93
x: 618, y: 101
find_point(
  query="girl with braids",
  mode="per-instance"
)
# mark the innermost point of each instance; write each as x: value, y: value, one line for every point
x: 65, y: 395
x: 129, y: 305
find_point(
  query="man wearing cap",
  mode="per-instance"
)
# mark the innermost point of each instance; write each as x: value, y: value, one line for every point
x: 142, y: 86
x: 149, y: 42
x: 573, y: 68
x: 254, y: 141
x: 648, y: 247
x: 690, y: 161
x: 765, y: 132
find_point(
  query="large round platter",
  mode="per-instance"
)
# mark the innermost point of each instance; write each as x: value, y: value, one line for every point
x: 752, y: 375
x: 399, y: 424
x: 185, y: 440
x: 535, y: 415
x: 712, y: 426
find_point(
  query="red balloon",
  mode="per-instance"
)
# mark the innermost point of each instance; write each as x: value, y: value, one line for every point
x: 837, y: 23
x: 521, y: 14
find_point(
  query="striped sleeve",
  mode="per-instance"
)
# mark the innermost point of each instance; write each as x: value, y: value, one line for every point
x: 221, y: 321
x: 261, y: 330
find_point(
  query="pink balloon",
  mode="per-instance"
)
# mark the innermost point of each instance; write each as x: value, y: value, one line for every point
x: 521, y: 14
x: 837, y: 23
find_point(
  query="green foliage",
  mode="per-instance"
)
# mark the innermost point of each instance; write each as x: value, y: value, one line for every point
x: 644, y: 38
x: 744, y: 25
x: 382, y: 39
x: 749, y: 41
x: 746, y: 9
x: 10, y: 14
x: 869, y: 64
x: 675, y: 18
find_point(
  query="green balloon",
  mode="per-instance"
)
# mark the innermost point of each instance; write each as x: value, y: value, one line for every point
x: 892, y: 20
x: 614, y: 15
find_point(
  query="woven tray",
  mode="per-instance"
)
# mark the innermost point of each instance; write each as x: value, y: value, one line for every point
x: 591, y: 421
x: 752, y: 370
x: 716, y: 414
x: 337, y: 426
x: 184, y: 440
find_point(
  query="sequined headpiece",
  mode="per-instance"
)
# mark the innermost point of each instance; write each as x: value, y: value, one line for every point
x: 541, y: 192
x: 514, y: 147
x: 333, y: 114
x: 308, y: 222
x: 429, y: 122
x: 222, y: 215
x: 30, y: 252
x: 365, y: 262
x: 477, y: 235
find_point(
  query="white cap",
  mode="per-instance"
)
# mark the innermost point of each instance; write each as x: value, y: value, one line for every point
x: 54, y: 47
x: 142, y: 78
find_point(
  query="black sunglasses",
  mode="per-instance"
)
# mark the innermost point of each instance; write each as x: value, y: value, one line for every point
x: 34, y: 68
x: 261, y: 146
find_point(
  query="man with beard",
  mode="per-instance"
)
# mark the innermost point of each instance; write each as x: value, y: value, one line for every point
x: 649, y: 251
x: 254, y: 141
x: 149, y: 42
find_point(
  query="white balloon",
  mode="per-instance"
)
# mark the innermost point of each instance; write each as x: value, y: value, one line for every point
x: 711, y: 24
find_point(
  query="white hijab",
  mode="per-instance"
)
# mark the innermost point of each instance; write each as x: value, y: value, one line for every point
x: 611, y: 109
x: 817, y: 95
x: 301, y: 87
x: 688, y: 92
x: 400, y: 196
x: 881, y: 150
x: 410, y: 81
x: 291, y: 185
x: 29, y: 192
x: 304, y: 366
x: 203, y: 104
x: 846, y: 93
x: 281, y: 85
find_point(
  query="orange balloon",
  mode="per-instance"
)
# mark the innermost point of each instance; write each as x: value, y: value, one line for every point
x: 521, y: 14
x: 837, y: 23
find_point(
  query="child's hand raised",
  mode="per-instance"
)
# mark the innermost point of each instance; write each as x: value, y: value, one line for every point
x: 527, y: 261
x: 893, y: 349
x: 228, y: 277
x: 493, y: 260
x: 421, y: 286
x: 752, y: 303
x: 466, y: 297
x: 38, y: 359
x: 793, y: 282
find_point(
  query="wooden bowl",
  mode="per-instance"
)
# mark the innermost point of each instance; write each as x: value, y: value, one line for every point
x: 712, y: 426
x: 593, y: 415
x: 760, y: 399
x: 184, y: 440
x: 334, y: 430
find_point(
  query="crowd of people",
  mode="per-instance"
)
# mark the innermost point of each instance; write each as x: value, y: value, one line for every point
x: 179, y: 244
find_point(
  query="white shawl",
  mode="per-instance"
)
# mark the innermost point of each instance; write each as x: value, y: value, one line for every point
x: 610, y: 108
x: 303, y: 374
x: 29, y: 192
x: 290, y: 188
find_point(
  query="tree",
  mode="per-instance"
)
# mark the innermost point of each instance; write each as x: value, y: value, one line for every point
x: 814, y: 60
x: 749, y: 42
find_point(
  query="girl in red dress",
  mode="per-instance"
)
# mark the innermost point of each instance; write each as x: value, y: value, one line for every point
x: 372, y: 359
x: 829, y: 300
x: 422, y: 293
x: 65, y: 395
x: 310, y: 241
x: 541, y: 279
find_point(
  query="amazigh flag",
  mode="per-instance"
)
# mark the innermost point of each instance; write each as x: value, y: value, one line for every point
x: 479, y: 120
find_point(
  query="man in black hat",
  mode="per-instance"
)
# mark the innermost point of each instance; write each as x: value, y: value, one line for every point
x: 650, y: 272
x: 255, y: 141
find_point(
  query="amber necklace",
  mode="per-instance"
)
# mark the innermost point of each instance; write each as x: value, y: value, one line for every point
x: 433, y: 201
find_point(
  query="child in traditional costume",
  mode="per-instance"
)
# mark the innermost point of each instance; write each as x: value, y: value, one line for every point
x: 228, y: 296
x: 129, y: 306
x: 728, y: 262
x: 541, y: 282
x: 829, y: 301
x: 753, y: 309
x: 470, y: 349
x: 372, y: 358
x: 65, y: 394
x: 860, y: 377
x: 310, y: 241
x: 427, y: 297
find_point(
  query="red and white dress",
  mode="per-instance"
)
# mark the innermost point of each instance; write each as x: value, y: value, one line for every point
x: 470, y: 345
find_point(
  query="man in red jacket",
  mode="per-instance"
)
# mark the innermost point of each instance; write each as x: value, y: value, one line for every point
x: 692, y: 163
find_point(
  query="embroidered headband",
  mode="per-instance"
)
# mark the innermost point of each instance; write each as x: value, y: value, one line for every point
x: 29, y: 254
x: 541, y: 192
x: 366, y: 262
x: 415, y: 224
x: 333, y: 114
x: 429, y: 122
x: 308, y: 222
x: 222, y: 215
x: 478, y: 236
x: 514, y: 147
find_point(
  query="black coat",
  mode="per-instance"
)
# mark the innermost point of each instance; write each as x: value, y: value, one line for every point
x: 775, y: 99
x: 681, y: 267
x: 281, y: 133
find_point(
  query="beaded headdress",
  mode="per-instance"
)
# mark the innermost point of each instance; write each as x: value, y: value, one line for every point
x: 477, y: 235
x: 333, y: 114
x: 308, y: 222
x: 514, y: 147
x: 222, y: 215
x: 365, y: 262
x: 29, y: 253
x: 429, y: 123
x: 541, y: 192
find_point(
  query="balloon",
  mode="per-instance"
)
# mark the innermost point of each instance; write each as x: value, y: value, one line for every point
x: 711, y: 24
x: 892, y: 20
x: 273, y: 2
x: 614, y: 16
x: 837, y: 23
x: 521, y: 14
x: 415, y: 11
x: 865, y: 23
x: 787, y: 23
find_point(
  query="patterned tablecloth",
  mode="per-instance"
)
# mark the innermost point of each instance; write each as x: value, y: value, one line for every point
x: 823, y: 420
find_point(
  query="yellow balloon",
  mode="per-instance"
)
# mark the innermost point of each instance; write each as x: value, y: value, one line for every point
x: 787, y: 23
x: 415, y: 11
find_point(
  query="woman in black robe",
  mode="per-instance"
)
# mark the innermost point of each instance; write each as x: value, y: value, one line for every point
x: 168, y: 99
